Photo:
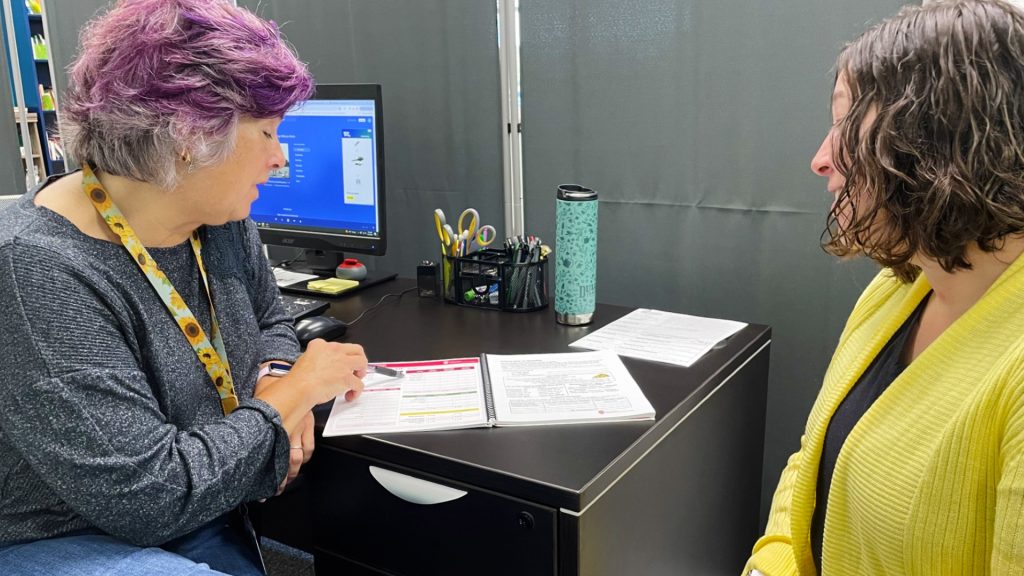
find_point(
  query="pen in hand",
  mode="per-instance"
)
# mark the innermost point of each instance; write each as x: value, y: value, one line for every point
x: 280, y: 369
x: 384, y: 371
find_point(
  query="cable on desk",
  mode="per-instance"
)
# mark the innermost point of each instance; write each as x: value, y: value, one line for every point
x: 290, y: 261
x: 379, y: 302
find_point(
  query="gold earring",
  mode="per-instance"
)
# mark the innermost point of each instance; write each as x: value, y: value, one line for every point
x: 186, y: 157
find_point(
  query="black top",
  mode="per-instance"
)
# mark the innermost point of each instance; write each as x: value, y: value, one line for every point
x: 875, y: 380
x: 565, y: 466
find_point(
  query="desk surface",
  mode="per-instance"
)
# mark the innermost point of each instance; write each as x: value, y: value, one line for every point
x: 567, y: 466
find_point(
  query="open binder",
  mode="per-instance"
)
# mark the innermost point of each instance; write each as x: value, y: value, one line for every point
x: 493, y: 390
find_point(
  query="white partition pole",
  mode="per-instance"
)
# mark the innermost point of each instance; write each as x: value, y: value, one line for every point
x: 511, y: 143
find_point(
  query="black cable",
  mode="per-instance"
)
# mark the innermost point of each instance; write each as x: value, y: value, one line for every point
x: 379, y: 302
x: 286, y: 263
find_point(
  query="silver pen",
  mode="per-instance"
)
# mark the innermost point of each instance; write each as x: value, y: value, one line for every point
x: 280, y: 369
x: 384, y: 371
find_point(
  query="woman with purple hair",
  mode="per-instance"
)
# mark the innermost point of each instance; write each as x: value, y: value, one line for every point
x: 136, y: 416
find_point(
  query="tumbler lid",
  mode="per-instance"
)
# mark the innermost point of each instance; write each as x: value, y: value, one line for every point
x: 575, y: 192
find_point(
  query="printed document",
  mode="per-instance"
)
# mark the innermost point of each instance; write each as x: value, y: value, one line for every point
x: 432, y: 395
x: 660, y: 336
x: 562, y: 388
x: 287, y: 277
x: 505, y: 390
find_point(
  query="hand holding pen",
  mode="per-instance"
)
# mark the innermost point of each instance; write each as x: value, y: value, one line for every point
x: 326, y: 370
x: 280, y: 369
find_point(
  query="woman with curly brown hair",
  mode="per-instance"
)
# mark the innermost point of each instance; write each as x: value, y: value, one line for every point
x: 912, y: 460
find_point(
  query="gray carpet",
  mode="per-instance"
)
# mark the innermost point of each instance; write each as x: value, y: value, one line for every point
x: 283, y: 560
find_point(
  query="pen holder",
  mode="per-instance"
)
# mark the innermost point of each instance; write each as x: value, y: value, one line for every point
x: 489, y: 279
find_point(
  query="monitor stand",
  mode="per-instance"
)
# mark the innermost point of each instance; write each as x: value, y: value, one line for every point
x: 372, y: 279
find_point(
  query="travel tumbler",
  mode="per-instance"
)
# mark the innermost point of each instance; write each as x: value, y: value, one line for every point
x: 575, y: 254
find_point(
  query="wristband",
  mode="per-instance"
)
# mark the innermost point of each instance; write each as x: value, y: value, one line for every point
x: 273, y: 369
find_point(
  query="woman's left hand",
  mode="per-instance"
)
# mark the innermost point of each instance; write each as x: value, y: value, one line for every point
x: 301, y: 442
x: 301, y: 450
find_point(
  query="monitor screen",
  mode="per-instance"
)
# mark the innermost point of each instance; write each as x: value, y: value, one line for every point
x: 329, y: 196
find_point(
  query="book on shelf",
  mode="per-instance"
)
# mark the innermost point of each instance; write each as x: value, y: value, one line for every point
x: 493, y: 390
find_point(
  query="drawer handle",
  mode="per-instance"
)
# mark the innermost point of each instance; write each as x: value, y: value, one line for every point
x: 413, y: 489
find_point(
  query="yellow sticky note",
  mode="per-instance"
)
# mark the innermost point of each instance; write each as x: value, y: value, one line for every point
x: 331, y: 285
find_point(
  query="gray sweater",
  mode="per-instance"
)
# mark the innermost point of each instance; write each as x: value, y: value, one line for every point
x: 108, y: 421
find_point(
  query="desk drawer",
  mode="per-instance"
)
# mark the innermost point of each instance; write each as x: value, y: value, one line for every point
x: 432, y: 526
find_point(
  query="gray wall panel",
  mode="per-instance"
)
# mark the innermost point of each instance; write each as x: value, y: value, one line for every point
x: 437, y: 62
x: 65, y: 19
x: 696, y: 122
x: 12, y: 171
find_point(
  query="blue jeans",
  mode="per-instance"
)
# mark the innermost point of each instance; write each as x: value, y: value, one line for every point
x: 217, y: 548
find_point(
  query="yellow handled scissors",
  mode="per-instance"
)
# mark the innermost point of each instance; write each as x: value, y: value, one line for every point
x: 473, y: 230
x: 457, y: 243
x: 468, y: 227
x: 486, y: 235
x: 445, y: 233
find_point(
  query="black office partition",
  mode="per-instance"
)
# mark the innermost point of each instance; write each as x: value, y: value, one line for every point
x: 696, y: 123
x: 437, y: 63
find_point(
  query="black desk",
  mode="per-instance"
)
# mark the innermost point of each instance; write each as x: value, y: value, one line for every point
x: 674, y: 496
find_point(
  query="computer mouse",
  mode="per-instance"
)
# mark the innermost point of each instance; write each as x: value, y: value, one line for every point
x: 319, y: 327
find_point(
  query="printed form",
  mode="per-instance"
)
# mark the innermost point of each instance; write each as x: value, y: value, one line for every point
x: 563, y: 388
x: 660, y: 336
x: 287, y: 277
x: 433, y: 395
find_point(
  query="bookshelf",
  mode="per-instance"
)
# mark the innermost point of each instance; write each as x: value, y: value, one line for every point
x: 37, y: 149
x: 36, y: 79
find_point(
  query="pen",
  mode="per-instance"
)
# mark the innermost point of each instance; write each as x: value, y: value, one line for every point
x: 375, y: 369
x: 279, y: 369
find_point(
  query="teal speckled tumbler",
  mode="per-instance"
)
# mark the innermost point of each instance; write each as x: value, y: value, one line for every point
x: 575, y: 254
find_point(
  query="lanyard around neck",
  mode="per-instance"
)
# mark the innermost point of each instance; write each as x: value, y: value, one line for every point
x: 213, y: 357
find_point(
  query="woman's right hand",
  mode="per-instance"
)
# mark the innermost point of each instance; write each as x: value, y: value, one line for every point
x: 325, y: 371
x: 328, y: 370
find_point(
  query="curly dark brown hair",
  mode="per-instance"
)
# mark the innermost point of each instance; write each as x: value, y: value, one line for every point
x: 941, y: 166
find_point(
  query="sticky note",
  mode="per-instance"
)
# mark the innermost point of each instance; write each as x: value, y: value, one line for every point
x: 331, y: 285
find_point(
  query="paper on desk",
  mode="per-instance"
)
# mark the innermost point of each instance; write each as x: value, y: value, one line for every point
x: 660, y: 336
x: 564, y: 388
x: 433, y: 395
x: 287, y: 277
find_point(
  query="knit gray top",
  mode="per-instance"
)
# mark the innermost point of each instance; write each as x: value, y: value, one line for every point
x: 108, y: 420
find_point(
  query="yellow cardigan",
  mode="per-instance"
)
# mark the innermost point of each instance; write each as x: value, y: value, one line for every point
x: 931, y: 479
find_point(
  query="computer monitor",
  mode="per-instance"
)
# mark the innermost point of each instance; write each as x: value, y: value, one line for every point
x: 329, y: 197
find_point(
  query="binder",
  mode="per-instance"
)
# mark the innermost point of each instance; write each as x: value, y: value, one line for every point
x: 493, y: 390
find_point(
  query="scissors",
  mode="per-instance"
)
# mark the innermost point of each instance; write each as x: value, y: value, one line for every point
x: 472, y: 231
x: 444, y: 232
x: 470, y: 227
x: 485, y: 235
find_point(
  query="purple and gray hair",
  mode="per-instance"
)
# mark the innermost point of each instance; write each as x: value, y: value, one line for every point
x: 158, y: 79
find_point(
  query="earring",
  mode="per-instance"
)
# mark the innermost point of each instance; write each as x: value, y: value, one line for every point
x: 186, y: 157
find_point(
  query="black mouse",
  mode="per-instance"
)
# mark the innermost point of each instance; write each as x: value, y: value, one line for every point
x: 319, y: 327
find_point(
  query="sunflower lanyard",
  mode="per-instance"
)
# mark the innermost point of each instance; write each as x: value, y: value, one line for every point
x: 214, y: 357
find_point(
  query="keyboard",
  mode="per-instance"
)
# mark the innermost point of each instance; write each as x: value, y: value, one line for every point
x: 299, y: 307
